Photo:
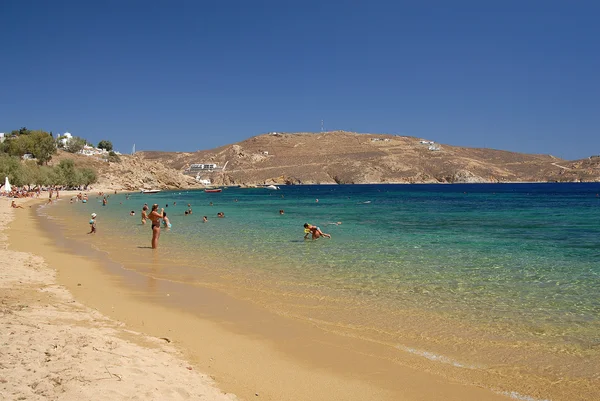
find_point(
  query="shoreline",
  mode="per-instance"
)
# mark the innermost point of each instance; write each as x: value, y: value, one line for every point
x: 303, y: 362
x: 55, y: 347
x: 241, y: 365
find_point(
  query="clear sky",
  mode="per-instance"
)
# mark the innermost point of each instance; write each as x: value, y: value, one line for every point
x: 189, y: 75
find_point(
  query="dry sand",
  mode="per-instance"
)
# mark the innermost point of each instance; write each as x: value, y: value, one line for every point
x: 53, y: 347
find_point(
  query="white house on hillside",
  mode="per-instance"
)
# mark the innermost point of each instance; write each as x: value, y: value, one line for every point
x: 65, y: 138
x: 2, y: 137
x: 91, y: 151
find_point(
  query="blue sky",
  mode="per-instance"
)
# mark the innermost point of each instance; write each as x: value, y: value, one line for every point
x: 190, y: 75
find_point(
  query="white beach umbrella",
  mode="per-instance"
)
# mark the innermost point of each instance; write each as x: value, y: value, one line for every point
x: 7, y: 187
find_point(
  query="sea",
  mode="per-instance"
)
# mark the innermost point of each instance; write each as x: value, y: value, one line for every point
x: 491, y: 279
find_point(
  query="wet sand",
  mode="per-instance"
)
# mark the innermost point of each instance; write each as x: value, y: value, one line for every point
x: 247, y: 349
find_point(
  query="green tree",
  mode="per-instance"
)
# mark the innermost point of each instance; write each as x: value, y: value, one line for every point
x: 38, y: 175
x: 16, y: 146
x: 30, y: 172
x: 66, y: 173
x: 53, y: 176
x: 11, y: 167
x: 89, y: 176
x: 106, y: 145
x: 18, y: 132
x: 42, y: 146
x: 39, y: 143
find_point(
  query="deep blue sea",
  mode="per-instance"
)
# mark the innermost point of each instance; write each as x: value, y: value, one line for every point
x: 430, y: 267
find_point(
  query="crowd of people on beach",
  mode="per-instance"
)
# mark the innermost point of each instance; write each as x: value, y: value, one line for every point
x: 23, y: 192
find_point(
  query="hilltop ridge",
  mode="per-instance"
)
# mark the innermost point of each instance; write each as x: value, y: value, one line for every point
x: 351, y: 158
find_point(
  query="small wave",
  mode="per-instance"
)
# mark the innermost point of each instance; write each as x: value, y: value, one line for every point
x: 444, y: 359
x: 434, y: 357
x: 521, y: 397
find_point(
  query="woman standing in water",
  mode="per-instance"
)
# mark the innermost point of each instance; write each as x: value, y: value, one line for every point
x: 155, y: 217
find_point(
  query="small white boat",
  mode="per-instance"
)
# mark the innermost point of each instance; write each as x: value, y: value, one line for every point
x: 271, y: 187
x: 150, y: 191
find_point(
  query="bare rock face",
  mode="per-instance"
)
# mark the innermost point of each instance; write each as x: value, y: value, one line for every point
x: 466, y: 177
x: 132, y: 173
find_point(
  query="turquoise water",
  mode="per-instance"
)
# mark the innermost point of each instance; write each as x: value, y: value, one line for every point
x: 518, y: 261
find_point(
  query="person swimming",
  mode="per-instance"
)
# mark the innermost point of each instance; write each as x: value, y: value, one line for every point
x: 315, y: 231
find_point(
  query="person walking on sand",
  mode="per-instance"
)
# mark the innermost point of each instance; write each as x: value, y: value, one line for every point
x: 144, y: 214
x: 155, y: 217
x: 93, y: 224
x: 315, y: 231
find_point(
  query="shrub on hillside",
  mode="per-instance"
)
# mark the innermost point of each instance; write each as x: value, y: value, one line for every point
x: 113, y: 157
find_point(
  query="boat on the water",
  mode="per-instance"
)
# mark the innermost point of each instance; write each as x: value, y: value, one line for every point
x: 150, y: 191
x: 272, y: 187
x: 213, y: 190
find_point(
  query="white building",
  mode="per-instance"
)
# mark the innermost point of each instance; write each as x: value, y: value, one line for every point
x: 2, y: 137
x: 91, y: 151
x: 202, y: 167
x: 65, y: 138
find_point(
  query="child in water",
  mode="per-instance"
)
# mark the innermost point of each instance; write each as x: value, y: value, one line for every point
x: 93, y: 224
x: 166, y: 221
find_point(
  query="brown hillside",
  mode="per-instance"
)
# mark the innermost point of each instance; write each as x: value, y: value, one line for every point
x: 132, y: 173
x: 346, y: 157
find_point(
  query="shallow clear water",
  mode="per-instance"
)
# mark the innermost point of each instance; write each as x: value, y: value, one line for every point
x: 507, y: 261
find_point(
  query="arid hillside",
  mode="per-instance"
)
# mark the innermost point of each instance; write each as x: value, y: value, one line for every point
x: 132, y: 173
x: 345, y: 157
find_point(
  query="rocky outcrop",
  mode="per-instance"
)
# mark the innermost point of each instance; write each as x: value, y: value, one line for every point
x: 466, y: 177
x: 132, y: 173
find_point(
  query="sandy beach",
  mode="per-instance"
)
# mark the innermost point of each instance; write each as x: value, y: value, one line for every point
x: 55, y: 348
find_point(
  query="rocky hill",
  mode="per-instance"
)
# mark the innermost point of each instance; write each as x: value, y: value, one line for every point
x: 346, y: 157
x: 334, y: 157
x: 132, y: 173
